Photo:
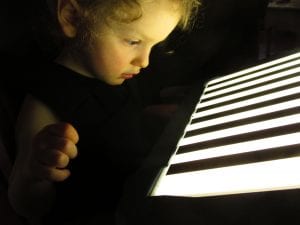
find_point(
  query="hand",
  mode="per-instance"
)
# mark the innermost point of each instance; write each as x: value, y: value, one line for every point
x: 53, y: 147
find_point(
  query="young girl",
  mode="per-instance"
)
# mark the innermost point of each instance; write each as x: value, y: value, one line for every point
x: 105, y: 44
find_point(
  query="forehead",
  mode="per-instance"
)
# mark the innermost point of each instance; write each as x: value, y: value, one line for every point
x: 159, y: 18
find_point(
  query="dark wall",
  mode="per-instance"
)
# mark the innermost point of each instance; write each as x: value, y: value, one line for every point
x: 224, y: 39
x: 15, y: 26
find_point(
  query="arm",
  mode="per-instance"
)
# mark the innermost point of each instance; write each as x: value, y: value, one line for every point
x: 44, y: 148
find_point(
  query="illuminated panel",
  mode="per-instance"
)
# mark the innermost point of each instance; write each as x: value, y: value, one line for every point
x: 244, y: 135
x: 244, y: 114
x: 257, y: 68
x: 263, y: 144
x: 264, y: 176
x: 255, y: 78
x: 253, y: 91
x: 248, y: 102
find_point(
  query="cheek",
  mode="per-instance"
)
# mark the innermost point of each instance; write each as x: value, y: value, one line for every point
x: 117, y: 58
x: 111, y: 58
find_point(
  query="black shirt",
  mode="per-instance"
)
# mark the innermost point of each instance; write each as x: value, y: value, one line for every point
x: 111, y: 143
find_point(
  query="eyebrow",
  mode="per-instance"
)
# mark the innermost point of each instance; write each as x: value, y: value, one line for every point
x: 142, y: 35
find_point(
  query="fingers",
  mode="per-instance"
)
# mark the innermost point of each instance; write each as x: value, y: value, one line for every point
x: 53, y: 147
x: 51, y: 174
x: 65, y: 130
x: 60, y: 136
x: 53, y: 158
x: 45, y: 141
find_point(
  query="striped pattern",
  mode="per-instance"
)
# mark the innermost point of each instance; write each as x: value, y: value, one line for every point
x: 244, y: 122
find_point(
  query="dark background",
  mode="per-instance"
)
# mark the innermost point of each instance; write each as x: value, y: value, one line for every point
x: 228, y: 35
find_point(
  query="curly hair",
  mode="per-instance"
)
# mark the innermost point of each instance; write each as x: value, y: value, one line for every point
x: 130, y: 10
x: 95, y: 11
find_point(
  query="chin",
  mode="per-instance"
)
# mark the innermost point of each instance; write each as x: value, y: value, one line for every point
x: 115, y: 82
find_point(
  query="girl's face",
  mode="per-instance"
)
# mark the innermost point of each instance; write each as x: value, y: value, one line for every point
x: 121, y: 50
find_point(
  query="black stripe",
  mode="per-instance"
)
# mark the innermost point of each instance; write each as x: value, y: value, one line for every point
x: 282, y: 88
x: 252, y: 79
x: 246, y: 74
x: 237, y: 159
x: 246, y: 108
x: 251, y: 87
x: 253, y: 119
x: 240, y: 138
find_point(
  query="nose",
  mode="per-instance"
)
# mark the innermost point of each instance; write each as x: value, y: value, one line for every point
x: 142, y: 59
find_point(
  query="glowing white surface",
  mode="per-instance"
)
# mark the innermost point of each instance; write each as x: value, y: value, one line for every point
x: 282, y: 121
x: 255, y: 177
x: 270, y: 175
x: 247, y: 102
x: 257, y: 81
x: 255, y: 68
x: 250, y: 92
x: 244, y: 115
x: 263, y: 144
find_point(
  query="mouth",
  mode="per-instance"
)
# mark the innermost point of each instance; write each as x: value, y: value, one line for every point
x: 128, y: 75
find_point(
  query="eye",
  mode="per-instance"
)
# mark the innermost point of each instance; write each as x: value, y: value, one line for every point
x: 132, y: 42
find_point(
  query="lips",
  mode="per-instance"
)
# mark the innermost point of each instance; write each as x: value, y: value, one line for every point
x: 128, y: 75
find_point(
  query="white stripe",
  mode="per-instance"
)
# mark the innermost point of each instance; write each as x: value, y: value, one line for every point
x: 255, y: 177
x: 248, y: 146
x: 244, y: 115
x: 247, y: 102
x: 287, y: 120
x: 250, y: 92
x: 253, y: 82
x: 255, y: 68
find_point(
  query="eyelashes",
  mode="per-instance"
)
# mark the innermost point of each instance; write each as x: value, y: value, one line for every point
x: 132, y: 42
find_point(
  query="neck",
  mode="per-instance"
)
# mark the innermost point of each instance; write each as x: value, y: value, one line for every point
x: 70, y: 61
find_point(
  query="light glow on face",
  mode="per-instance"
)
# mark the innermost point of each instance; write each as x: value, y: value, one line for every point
x: 118, y: 50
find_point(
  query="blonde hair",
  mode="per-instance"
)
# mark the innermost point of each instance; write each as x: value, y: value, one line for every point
x: 93, y: 12
x: 130, y: 10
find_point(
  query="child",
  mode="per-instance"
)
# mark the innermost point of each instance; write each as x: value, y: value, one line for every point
x: 105, y: 44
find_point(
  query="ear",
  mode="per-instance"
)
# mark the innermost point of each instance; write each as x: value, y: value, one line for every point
x: 67, y: 13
